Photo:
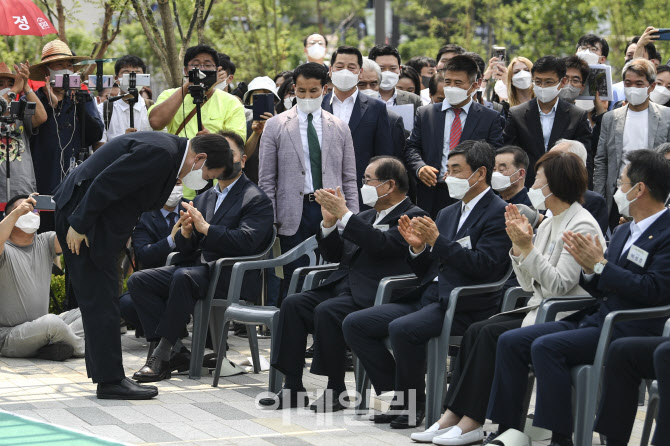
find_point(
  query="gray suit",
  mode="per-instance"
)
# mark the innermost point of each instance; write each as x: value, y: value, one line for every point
x: 609, y: 157
x: 282, y: 165
x: 405, y: 97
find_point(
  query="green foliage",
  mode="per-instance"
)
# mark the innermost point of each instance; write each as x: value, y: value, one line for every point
x: 58, y: 290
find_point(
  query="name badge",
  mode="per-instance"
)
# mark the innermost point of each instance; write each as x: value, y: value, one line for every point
x: 637, y: 256
x: 382, y: 228
x: 465, y: 242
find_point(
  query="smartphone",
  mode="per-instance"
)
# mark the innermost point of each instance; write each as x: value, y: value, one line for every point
x: 74, y: 81
x: 141, y: 80
x: 263, y: 103
x: 663, y: 34
x: 107, y: 81
x: 500, y: 53
x: 44, y: 202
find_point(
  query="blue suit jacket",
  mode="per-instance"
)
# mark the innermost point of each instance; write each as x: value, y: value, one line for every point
x: 425, y: 145
x: 370, y: 130
x: 150, y: 239
x: 624, y: 285
x: 455, y: 265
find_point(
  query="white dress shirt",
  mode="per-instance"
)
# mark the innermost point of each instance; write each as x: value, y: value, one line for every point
x: 222, y: 194
x: 308, y: 188
x: 547, y: 122
x: 188, y: 144
x: 636, y: 229
x: 448, y: 119
x: 325, y: 232
x: 165, y: 214
x: 391, y: 101
x: 466, y: 208
x: 635, y: 132
x: 120, y: 120
x: 343, y: 109
x: 425, y: 96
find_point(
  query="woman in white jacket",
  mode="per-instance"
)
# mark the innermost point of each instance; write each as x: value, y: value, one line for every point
x: 542, y: 266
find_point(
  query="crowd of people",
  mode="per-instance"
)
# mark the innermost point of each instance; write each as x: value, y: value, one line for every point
x: 504, y: 167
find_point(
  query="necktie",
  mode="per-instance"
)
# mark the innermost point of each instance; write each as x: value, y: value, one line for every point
x: 314, y: 153
x: 172, y: 219
x: 456, y: 129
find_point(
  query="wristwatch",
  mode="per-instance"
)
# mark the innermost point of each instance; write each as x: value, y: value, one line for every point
x: 598, y: 267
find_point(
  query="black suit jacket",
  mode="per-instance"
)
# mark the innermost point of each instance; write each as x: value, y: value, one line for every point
x: 455, y: 265
x: 597, y: 206
x: 370, y: 130
x: 625, y: 285
x: 150, y: 239
x: 521, y: 198
x: 398, y: 134
x: 126, y: 177
x: 241, y: 226
x: 367, y: 254
x: 426, y: 143
x: 523, y: 129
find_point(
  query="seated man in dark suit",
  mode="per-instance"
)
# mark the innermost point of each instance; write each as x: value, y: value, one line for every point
x: 438, y: 128
x: 232, y: 219
x: 536, y: 125
x: 510, y: 173
x: 467, y: 245
x: 633, y: 273
x: 369, y: 249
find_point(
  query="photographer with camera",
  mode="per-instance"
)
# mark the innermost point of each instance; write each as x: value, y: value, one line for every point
x: 115, y: 113
x: 58, y: 144
x: 16, y: 131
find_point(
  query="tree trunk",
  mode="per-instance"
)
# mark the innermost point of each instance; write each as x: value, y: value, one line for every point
x: 60, y: 11
x: 154, y: 38
x: 170, y: 43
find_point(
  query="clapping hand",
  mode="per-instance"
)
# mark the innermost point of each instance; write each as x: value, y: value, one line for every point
x: 585, y: 249
x: 519, y: 231
x: 405, y: 229
x: 329, y: 219
x: 332, y: 201
x: 198, y: 221
x: 426, y: 229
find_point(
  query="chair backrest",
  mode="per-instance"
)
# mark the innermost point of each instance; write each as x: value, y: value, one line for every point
x: 666, y: 329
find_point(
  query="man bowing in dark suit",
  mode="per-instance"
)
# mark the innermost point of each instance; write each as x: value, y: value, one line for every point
x: 369, y: 249
x: 232, y: 219
x: 467, y: 245
x: 438, y: 128
x: 538, y: 124
x: 99, y: 203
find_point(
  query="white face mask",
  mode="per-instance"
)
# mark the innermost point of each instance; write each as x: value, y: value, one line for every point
x: 588, y: 57
x: 622, y: 201
x: 372, y: 93
x: 369, y: 194
x: 458, y: 187
x: 288, y: 102
x: 221, y: 86
x: 389, y: 80
x: 659, y: 95
x: 193, y: 179
x: 501, y: 90
x: 175, y: 196
x: 309, y: 105
x: 585, y: 104
x: 344, y: 80
x: 636, y: 96
x: 455, y: 95
x: 569, y: 93
x: 501, y: 182
x: 522, y: 80
x: 28, y: 223
x: 546, y: 94
x: 316, y: 51
x: 537, y: 198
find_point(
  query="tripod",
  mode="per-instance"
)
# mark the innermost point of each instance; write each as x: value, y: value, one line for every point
x: 198, y: 94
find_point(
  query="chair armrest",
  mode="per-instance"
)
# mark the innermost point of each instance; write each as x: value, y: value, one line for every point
x: 554, y: 305
x: 512, y: 298
x: 315, y: 277
x: 666, y: 330
x: 389, y: 284
x: 171, y: 258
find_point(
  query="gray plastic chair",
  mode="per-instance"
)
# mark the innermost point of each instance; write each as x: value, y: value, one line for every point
x: 204, y: 307
x: 654, y: 399
x: 257, y: 315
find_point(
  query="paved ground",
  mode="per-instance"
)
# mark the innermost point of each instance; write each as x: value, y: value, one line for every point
x: 188, y: 412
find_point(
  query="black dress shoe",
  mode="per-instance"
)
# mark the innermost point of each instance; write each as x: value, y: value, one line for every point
x: 180, y: 361
x: 329, y: 401
x: 296, y: 398
x: 154, y: 370
x: 126, y: 389
x: 60, y: 351
x: 404, y: 421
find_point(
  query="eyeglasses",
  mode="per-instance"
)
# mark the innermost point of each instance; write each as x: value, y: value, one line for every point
x: 593, y: 49
x: 202, y: 67
x: 367, y: 180
x: 620, y: 183
x: 547, y: 83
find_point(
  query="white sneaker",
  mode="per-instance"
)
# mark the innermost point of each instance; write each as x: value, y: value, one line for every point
x: 456, y: 437
x: 430, y: 433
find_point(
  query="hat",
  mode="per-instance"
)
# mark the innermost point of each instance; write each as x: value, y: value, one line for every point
x: 261, y: 83
x: 53, y: 51
x: 6, y: 72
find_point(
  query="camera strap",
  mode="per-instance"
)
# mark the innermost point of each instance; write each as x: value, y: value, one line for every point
x: 193, y: 112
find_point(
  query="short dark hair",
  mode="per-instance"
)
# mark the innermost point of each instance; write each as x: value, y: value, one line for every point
x: 548, y: 64
x: 477, y: 154
x: 384, y: 50
x: 129, y: 61
x: 284, y: 90
x: 311, y: 70
x: 237, y: 139
x: 193, y: 51
x: 566, y: 175
x: 662, y: 69
x: 478, y: 60
x: 463, y: 63
x: 449, y: 48
x: 217, y: 149
x: 227, y: 64
x: 651, y: 168
x: 420, y: 62
x: 521, y: 160
x: 434, y: 82
x: 391, y: 168
x: 411, y: 74
x: 284, y: 74
x: 591, y: 40
x: 347, y: 50
x: 578, y: 64
x: 325, y: 39
x: 11, y: 204
x: 650, y: 47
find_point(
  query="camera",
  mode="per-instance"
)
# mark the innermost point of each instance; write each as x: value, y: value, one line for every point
x: 499, y: 52
x: 141, y: 80
x: 18, y: 110
x: 67, y: 81
x: 204, y: 78
x: 107, y: 81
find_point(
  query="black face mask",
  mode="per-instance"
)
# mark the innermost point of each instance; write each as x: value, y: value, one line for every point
x: 425, y: 80
x: 237, y: 168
